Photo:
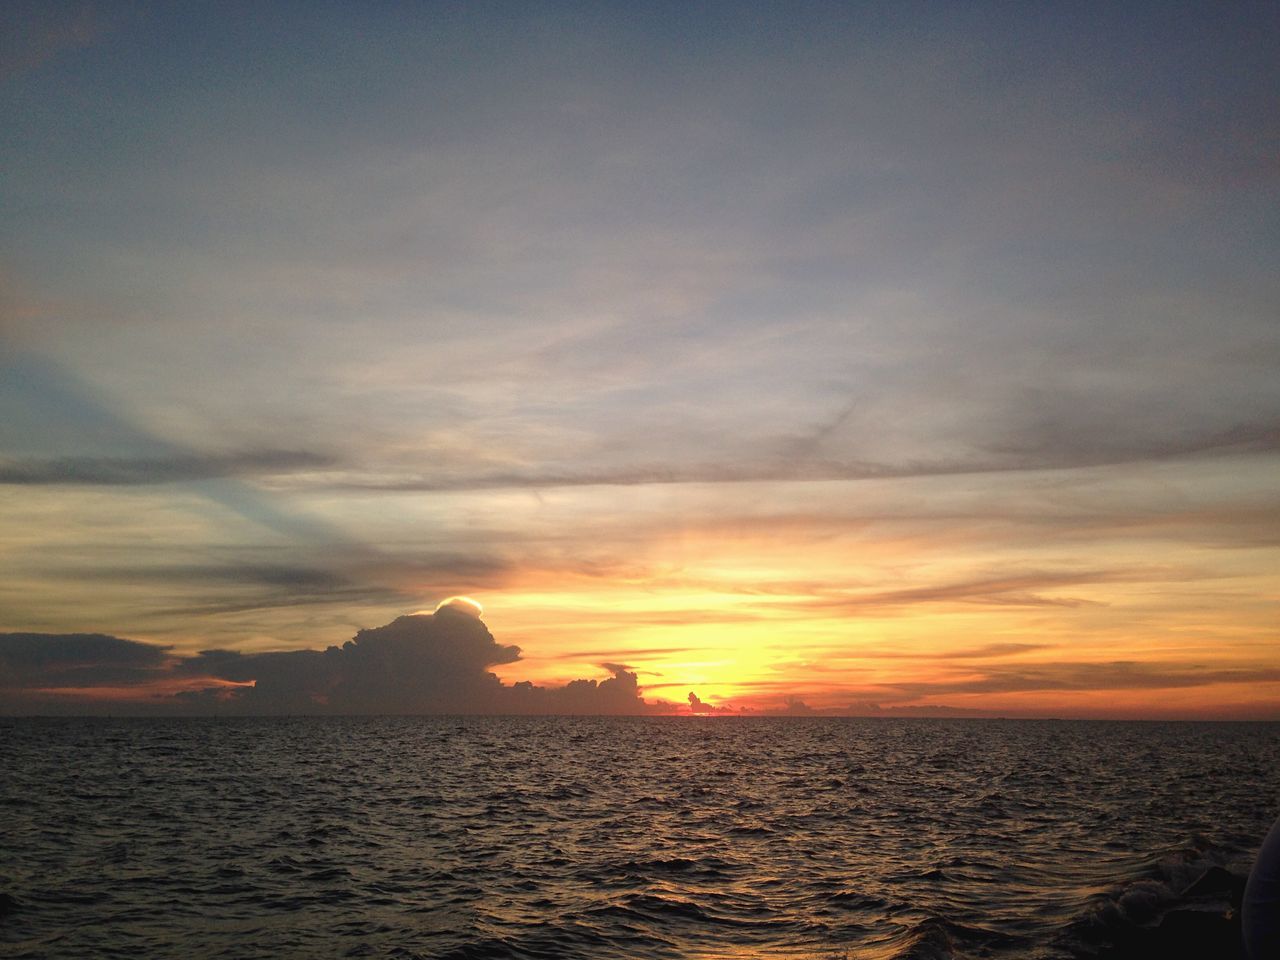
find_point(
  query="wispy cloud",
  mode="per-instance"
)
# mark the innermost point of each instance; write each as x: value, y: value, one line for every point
x: 1042, y: 449
x: 988, y: 651
x: 131, y: 471
x: 630, y: 652
x: 1114, y: 675
x: 1015, y: 589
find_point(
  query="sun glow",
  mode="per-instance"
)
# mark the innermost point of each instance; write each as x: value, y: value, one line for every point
x: 464, y: 605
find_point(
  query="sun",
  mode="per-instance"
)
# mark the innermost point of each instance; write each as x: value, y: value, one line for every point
x: 463, y: 605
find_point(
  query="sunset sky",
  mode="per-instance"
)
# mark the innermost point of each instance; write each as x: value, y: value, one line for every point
x: 836, y: 357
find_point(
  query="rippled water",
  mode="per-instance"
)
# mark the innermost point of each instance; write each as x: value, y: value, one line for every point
x: 602, y: 837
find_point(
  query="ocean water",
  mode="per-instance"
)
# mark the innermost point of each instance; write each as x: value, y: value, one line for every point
x: 625, y: 837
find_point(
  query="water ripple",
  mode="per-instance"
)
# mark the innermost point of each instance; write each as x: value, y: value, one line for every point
x: 592, y: 837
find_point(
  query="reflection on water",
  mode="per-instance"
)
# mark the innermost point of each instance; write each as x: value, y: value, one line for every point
x: 603, y: 837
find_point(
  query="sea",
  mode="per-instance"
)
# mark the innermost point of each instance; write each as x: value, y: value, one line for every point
x: 654, y: 837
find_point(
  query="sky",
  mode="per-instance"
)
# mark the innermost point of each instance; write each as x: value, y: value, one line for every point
x: 743, y: 357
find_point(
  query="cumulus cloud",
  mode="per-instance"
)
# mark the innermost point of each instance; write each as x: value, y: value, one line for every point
x: 422, y: 663
x: 619, y: 694
x: 796, y: 707
x: 987, y: 651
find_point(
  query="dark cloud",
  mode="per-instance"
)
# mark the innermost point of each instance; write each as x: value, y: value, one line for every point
x: 419, y: 663
x: 620, y: 694
x: 700, y: 707
x: 172, y: 468
x: 29, y: 660
x: 423, y: 663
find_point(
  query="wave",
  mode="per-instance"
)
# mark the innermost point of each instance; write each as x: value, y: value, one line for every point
x: 1182, y: 903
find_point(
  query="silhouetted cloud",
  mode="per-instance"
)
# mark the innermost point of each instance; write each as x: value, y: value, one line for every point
x: 700, y: 707
x: 422, y: 663
x: 33, y: 660
x: 619, y: 694
x: 794, y: 706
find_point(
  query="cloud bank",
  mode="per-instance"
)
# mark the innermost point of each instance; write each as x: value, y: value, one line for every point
x: 423, y: 663
x: 440, y: 663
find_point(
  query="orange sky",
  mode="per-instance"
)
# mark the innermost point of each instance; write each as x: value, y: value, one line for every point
x: 795, y: 361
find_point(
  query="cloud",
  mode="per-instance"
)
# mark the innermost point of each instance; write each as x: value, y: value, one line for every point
x: 174, y: 468
x: 1013, y: 589
x: 1046, y: 446
x: 47, y: 406
x: 440, y: 664
x: 793, y: 706
x: 620, y: 694
x: 1064, y: 437
x: 81, y: 660
x: 275, y: 578
x: 872, y: 709
x: 422, y: 663
x: 984, y: 652
x: 631, y: 651
x: 1098, y: 675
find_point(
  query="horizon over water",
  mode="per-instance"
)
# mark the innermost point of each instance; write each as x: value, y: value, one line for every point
x: 616, y: 837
